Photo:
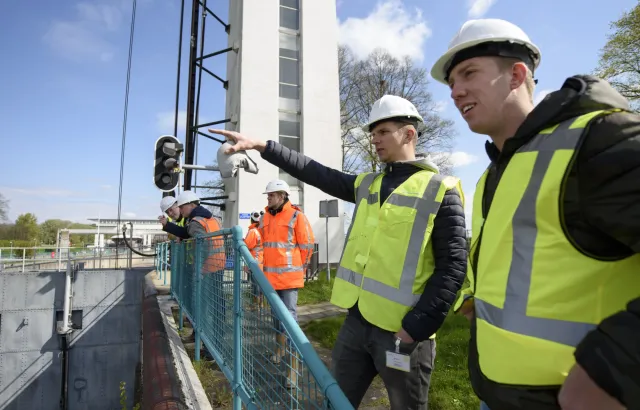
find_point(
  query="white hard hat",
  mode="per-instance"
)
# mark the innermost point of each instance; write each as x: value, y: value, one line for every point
x: 489, y: 32
x: 255, y: 216
x: 277, y: 185
x: 186, y: 197
x: 166, y: 203
x: 391, y: 106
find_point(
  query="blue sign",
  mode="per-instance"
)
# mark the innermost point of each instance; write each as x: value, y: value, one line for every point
x: 245, y: 216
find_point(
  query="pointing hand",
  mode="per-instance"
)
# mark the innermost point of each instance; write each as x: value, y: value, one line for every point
x: 241, y: 142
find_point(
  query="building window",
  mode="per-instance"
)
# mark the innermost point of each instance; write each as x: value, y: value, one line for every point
x: 289, y: 132
x: 293, y: 4
x: 290, y: 14
x: 289, y: 79
x: 289, y: 71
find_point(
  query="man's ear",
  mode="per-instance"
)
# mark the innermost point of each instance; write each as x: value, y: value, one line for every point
x: 518, y: 75
x: 409, y: 134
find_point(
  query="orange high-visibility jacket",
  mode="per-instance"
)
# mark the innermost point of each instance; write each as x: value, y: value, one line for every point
x: 213, y: 247
x: 288, y: 245
x: 253, y: 240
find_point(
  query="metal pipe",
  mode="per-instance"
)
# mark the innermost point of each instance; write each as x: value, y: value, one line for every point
x: 201, y: 167
x: 64, y: 393
x: 189, y: 146
x: 65, y: 328
x: 237, y: 318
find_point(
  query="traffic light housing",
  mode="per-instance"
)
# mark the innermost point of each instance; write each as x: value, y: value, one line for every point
x: 167, y: 158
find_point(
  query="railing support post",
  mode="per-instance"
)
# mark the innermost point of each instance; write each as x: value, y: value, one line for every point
x: 166, y: 261
x: 197, y: 272
x: 236, y: 232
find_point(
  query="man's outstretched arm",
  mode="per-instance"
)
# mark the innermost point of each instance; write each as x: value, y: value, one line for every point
x: 331, y: 181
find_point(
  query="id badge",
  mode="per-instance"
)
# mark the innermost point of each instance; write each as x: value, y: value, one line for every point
x: 397, y: 360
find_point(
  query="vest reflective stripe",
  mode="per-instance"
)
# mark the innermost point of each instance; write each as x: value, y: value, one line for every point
x: 290, y: 245
x: 537, y: 296
x: 513, y: 316
x: 361, y: 192
x: 285, y: 241
x: 388, y: 258
x: 213, y: 248
x: 258, y: 247
x: 424, y: 206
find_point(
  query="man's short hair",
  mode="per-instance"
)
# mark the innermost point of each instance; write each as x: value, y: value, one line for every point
x: 506, y: 63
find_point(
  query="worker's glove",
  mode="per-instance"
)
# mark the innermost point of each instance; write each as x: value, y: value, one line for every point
x: 229, y: 164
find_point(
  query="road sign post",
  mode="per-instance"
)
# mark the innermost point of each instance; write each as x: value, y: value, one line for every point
x: 328, y: 209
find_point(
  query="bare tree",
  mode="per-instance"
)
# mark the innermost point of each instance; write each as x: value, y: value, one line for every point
x: 4, y: 208
x: 215, y: 188
x: 364, y: 82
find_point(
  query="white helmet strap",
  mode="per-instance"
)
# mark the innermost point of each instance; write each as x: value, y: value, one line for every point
x: 494, y: 49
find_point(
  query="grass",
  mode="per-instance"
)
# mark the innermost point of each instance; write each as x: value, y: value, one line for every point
x: 214, y: 383
x: 317, y: 291
x: 450, y: 388
x: 324, y: 331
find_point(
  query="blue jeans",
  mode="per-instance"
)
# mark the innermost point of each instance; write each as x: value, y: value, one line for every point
x: 483, y: 406
x: 290, y: 299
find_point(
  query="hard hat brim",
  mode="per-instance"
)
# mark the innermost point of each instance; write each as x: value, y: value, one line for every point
x: 438, y: 70
x: 366, y: 126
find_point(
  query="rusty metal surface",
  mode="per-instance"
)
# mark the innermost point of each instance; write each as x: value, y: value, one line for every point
x: 161, y: 385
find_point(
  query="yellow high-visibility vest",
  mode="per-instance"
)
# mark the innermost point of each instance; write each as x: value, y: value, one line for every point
x: 536, y: 295
x: 388, y: 257
x: 179, y: 222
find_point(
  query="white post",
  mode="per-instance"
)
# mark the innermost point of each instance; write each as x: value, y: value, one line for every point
x: 67, y: 300
x: 24, y: 257
x: 327, y: 245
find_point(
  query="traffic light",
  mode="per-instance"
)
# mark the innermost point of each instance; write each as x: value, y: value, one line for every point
x: 167, y: 158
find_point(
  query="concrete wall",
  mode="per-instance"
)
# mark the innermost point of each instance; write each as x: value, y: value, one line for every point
x: 253, y: 98
x: 103, y: 353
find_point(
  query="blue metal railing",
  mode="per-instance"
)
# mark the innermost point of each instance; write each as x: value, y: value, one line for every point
x: 245, y: 326
x: 163, y: 264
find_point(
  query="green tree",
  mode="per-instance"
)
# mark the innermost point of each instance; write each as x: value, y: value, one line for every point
x: 79, y: 239
x: 620, y: 57
x: 4, y: 208
x: 49, y: 230
x: 27, y: 227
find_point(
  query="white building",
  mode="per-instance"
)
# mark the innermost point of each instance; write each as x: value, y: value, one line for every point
x: 283, y: 86
x: 147, y: 229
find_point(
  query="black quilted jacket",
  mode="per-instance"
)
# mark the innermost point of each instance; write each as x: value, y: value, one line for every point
x: 448, y: 238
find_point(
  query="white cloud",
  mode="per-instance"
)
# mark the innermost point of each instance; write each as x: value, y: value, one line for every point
x: 478, y: 8
x: 165, y: 122
x: 457, y: 159
x: 539, y: 96
x: 461, y: 158
x: 86, y: 36
x: 390, y: 26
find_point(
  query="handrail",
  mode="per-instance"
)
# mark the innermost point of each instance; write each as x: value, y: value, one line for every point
x: 217, y: 301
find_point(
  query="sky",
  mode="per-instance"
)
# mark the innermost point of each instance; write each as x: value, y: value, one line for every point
x: 62, y: 86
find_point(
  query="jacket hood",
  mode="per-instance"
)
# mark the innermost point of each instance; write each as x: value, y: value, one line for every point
x: 578, y: 95
x: 200, y: 211
x: 422, y: 163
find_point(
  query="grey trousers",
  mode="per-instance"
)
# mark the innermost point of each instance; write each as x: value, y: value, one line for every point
x: 359, y: 355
